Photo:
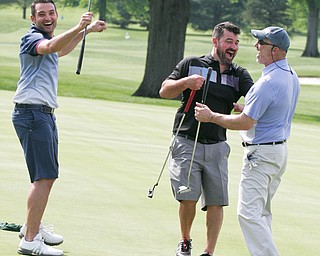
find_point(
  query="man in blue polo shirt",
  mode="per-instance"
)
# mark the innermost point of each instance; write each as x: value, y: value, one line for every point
x: 33, y: 117
x: 265, y: 122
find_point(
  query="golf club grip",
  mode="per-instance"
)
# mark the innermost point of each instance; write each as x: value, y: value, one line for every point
x: 206, y: 85
x: 81, y: 56
x: 191, y: 96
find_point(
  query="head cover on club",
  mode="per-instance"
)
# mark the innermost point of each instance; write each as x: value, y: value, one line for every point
x: 183, y: 189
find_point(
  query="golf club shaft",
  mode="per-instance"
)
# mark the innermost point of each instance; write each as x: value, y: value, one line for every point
x: 83, y: 45
x: 193, y: 153
x: 185, y: 111
x: 204, y: 96
x: 206, y: 86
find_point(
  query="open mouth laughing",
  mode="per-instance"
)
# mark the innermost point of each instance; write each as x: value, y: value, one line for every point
x: 230, y: 54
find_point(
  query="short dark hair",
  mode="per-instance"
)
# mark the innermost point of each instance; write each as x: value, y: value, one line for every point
x: 218, y: 30
x: 33, y: 8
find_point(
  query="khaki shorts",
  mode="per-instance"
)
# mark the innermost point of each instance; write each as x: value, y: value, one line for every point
x: 209, y: 173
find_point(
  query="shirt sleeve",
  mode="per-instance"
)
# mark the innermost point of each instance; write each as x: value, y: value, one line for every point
x: 30, y: 42
x: 181, y: 70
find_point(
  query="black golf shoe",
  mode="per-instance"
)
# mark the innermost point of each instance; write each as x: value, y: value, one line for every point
x: 184, y: 248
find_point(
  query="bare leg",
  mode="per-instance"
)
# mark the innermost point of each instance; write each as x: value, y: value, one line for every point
x: 36, y: 205
x: 214, y: 224
x: 187, y: 212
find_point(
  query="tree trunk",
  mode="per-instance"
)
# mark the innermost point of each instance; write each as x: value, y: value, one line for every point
x: 102, y: 10
x: 311, y: 49
x: 24, y: 14
x: 167, y: 31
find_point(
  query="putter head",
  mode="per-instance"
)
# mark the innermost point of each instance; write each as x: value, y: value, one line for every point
x: 183, y: 189
x: 150, y: 193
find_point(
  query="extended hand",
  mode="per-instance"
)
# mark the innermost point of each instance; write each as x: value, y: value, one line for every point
x: 238, y: 107
x: 202, y: 113
x: 97, y: 26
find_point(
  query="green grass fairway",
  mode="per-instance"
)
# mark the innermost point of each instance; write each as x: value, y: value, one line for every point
x: 111, y: 154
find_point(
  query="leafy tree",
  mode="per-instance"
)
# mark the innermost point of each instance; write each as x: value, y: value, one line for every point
x: 70, y: 3
x: 283, y: 13
x: 125, y: 12
x: 9, y: 1
x: 167, y: 31
x: 119, y: 12
x: 260, y: 14
x: 23, y: 3
x: 204, y: 15
x: 299, y: 16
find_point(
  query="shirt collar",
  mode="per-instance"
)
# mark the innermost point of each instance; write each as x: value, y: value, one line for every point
x: 35, y: 29
x: 211, y: 59
x: 281, y: 63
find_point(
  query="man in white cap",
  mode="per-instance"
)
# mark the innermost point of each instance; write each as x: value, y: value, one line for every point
x: 265, y: 122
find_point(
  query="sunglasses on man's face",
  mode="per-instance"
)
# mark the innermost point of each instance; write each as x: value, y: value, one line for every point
x: 261, y: 42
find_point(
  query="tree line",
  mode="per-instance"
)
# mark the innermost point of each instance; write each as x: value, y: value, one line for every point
x: 296, y: 16
x: 165, y: 19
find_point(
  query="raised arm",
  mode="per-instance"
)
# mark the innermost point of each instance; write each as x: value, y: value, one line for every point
x: 67, y: 41
x: 96, y: 26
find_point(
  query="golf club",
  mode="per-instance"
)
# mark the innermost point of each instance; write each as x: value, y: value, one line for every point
x: 185, y: 189
x: 83, y: 45
x: 185, y: 111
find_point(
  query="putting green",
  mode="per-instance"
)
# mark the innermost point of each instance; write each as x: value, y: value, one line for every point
x: 111, y: 154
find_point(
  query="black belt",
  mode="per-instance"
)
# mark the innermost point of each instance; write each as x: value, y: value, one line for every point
x: 42, y: 108
x: 246, y: 144
x: 202, y: 141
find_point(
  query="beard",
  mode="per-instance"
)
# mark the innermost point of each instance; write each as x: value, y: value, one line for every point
x: 223, y: 56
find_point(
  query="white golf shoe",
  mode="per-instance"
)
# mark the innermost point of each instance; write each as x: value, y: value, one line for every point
x: 37, y: 247
x: 47, y: 234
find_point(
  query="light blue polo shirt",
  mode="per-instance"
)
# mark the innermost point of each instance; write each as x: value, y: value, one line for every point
x: 271, y: 101
x: 38, y: 83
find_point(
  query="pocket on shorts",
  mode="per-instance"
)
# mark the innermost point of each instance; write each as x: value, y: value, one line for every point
x: 181, y: 147
x: 227, y: 149
x: 23, y: 121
